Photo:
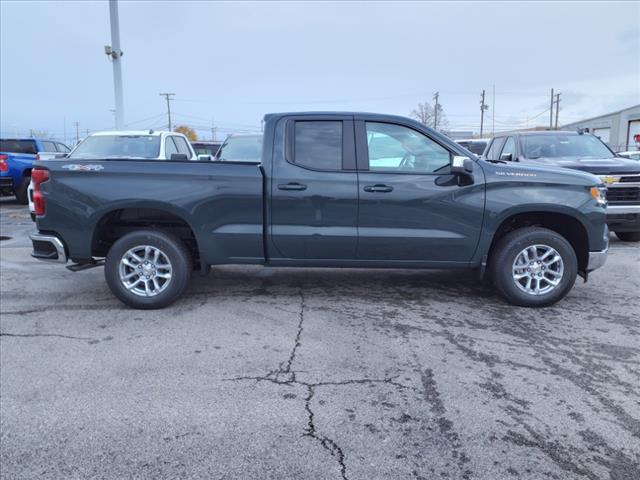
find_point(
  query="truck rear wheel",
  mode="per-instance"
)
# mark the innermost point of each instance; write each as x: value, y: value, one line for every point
x: 21, y: 191
x: 628, y: 236
x: 148, y: 269
x: 533, y: 267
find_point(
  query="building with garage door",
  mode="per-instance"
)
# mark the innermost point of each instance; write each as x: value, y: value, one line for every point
x: 620, y: 130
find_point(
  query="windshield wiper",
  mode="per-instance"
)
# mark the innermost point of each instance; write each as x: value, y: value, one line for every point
x: 495, y: 161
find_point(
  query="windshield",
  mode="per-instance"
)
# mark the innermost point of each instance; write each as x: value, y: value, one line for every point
x: 241, y: 149
x: 18, y: 146
x: 118, y: 146
x: 549, y: 146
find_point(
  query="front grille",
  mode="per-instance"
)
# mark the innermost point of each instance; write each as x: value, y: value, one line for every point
x: 632, y: 179
x: 623, y: 194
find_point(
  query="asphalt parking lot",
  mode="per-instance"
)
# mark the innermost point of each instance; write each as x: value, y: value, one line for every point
x: 292, y: 373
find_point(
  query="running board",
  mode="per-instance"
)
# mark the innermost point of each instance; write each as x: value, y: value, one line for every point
x: 78, y: 267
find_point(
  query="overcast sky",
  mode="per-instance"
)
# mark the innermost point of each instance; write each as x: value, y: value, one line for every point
x: 230, y: 63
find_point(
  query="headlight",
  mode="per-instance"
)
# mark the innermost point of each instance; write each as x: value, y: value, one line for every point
x: 599, y: 195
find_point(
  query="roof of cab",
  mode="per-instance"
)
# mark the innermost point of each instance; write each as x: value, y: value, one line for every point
x: 133, y: 132
x: 538, y: 132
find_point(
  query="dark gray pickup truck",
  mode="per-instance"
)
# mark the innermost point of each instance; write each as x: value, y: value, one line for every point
x: 331, y: 190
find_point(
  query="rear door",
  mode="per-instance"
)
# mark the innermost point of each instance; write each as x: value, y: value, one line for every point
x: 412, y: 209
x: 314, y: 189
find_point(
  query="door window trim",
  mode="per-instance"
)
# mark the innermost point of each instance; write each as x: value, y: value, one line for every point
x: 362, y: 147
x: 348, y: 142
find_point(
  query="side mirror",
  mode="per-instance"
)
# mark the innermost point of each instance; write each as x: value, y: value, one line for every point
x: 506, y: 157
x: 179, y: 157
x: 204, y: 158
x: 461, y: 165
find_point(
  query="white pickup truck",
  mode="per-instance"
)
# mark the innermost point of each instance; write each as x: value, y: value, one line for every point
x: 138, y: 144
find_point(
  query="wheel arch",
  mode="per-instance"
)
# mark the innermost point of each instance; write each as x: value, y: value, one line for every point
x: 564, y: 223
x: 111, y: 224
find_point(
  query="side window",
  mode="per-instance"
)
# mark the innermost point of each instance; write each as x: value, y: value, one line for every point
x: 395, y: 148
x: 62, y: 148
x: 169, y: 148
x: 181, y: 143
x: 496, y: 146
x: 509, y: 148
x: 318, y: 144
x: 49, y: 147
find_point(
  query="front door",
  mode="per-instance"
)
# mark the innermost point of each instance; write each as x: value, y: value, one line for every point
x: 314, y: 189
x: 411, y: 208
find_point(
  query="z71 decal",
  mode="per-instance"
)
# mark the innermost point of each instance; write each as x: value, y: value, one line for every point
x: 83, y: 168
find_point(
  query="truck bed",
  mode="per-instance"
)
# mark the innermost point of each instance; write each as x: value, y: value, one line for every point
x: 221, y: 202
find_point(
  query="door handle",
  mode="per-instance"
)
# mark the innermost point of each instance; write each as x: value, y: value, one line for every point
x: 378, y: 188
x: 292, y: 186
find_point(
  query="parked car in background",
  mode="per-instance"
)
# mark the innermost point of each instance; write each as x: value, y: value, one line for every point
x: 474, y: 145
x: 327, y: 190
x: 241, y: 148
x: 143, y: 144
x: 16, y: 162
x: 586, y: 152
x: 631, y: 155
x: 206, y: 148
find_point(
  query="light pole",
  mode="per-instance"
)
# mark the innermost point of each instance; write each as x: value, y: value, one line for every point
x: 115, y: 53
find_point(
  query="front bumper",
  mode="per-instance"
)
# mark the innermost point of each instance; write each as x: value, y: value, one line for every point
x: 597, y: 259
x: 48, y: 248
x: 623, y: 218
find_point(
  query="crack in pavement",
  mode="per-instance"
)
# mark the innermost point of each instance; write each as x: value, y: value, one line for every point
x: 327, y: 443
x: 30, y: 335
x: 286, y: 376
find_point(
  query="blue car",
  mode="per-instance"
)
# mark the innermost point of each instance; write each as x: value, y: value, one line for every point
x: 16, y: 160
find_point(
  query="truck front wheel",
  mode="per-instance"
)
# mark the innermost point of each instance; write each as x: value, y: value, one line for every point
x: 148, y: 269
x: 533, y: 267
x: 628, y: 236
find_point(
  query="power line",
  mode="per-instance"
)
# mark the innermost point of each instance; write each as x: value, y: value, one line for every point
x: 168, y: 97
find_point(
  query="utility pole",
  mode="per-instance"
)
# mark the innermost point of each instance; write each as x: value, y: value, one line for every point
x: 115, y: 53
x: 77, y: 124
x: 557, y: 107
x: 483, y: 107
x: 168, y: 97
x: 551, y: 112
x: 435, y: 110
x: 213, y: 130
x: 493, y: 112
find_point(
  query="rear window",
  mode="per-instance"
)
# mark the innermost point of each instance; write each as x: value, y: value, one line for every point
x: 118, y: 146
x: 18, y: 146
x: 477, y: 147
x: 241, y: 149
x: 206, y: 148
x: 318, y: 144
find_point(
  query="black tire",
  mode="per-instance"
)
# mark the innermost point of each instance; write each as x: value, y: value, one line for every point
x: 174, y: 250
x: 628, y: 236
x: 21, y: 192
x: 509, y: 247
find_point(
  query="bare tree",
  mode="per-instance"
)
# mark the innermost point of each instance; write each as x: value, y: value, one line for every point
x: 425, y: 114
x: 39, y: 133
